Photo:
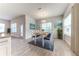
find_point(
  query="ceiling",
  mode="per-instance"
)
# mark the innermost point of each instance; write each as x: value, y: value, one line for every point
x: 36, y: 10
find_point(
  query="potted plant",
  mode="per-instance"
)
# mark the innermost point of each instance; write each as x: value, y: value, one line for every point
x: 59, y: 33
x: 59, y: 30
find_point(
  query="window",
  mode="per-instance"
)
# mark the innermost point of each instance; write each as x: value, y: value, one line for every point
x: 2, y: 27
x: 67, y: 25
x: 21, y: 30
x: 46, y: 27
x: 13, y: 27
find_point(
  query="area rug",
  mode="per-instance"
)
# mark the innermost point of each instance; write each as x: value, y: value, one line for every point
x: 39, y: 44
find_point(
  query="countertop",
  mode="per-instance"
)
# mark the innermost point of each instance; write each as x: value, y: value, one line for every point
x: 6, y: 38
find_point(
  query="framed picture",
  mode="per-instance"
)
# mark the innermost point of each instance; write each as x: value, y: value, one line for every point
x: 32, y: 26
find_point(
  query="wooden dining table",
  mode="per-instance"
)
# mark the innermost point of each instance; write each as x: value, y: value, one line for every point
x: 41, y: 35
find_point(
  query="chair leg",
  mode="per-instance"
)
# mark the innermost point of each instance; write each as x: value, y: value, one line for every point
x: 42, y: 42
x: 49, y: 44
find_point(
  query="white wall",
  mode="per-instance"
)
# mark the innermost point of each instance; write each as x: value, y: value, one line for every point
x: 68, y: 10
x: 29, y: 20
x: 75, y: 29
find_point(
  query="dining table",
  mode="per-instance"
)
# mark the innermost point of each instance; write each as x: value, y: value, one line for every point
x: 40, y: 35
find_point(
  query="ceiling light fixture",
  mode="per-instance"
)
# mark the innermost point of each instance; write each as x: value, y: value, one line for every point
x: 39, y: 8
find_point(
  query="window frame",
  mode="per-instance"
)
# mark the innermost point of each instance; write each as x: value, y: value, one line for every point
x: 13, y: 27
x: 3, y: 26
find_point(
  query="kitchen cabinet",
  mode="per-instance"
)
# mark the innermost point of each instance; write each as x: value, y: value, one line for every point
x: 5, y: 46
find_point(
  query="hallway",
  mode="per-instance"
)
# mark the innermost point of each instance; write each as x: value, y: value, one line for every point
x: 20, y: 47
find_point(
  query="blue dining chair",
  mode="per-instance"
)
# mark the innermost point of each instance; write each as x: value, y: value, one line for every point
x: 48, y: 37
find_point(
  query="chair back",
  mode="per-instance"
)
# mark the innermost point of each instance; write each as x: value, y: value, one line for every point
x: 52, y: 39
x: 49, y: 35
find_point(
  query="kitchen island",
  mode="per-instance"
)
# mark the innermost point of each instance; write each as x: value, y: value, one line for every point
x: 5, y: 46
